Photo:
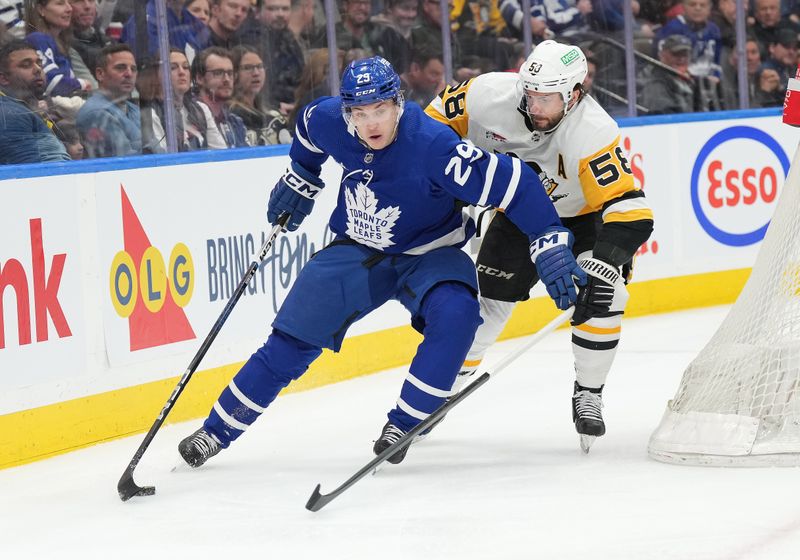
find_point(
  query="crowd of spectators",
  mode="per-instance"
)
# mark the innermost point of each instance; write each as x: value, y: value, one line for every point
x: 82, y: 78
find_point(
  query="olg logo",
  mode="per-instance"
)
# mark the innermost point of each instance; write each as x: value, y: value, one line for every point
x: 734, y: 197
x: 151, y: 279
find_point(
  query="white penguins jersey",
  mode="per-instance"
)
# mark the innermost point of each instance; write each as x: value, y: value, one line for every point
x: 580, y: 163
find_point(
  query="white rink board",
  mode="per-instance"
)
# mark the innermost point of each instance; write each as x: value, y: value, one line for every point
x: 206, y: 206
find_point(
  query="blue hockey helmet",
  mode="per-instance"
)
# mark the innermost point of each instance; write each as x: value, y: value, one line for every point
x: 369, y: 80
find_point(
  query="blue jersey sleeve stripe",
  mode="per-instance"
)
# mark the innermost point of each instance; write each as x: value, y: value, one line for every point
x: 487, y: 184
x: 305, y: 142
x: 511, y: 190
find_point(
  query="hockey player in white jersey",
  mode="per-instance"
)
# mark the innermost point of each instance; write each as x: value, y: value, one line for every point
x: 399, y: 232
x: 543, y: 116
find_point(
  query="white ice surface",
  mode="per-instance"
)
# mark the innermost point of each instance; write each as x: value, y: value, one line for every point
x: 502, y: 477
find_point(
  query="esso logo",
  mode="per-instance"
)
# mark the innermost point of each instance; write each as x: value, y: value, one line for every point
x: 736, y: 180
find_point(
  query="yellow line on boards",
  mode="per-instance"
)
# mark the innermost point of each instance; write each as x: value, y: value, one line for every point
x: 42, y: 432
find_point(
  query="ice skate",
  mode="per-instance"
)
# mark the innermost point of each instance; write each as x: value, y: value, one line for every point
x: 389, y: 435
x: 199, y: 448
x: 587, y: 405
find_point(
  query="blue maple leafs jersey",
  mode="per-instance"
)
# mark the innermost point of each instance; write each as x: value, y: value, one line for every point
x: 404, y: 198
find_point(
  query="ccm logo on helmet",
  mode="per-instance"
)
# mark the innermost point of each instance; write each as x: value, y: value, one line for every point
x: 366, y: 92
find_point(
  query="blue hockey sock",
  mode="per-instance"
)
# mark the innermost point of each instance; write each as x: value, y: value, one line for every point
x: 272, y: 367
x: 451, y: 315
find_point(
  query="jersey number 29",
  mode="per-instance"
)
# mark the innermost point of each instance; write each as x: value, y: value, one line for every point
x: 466, y: 151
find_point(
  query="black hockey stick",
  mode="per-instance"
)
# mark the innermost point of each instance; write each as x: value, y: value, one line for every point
x: 317, y: 501
x: 126, y: 486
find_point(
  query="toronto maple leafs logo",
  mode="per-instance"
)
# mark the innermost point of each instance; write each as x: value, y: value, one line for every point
x: 365, y: 222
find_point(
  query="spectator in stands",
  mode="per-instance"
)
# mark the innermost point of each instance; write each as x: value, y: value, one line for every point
x: 704, y: 65
x: 400, y: 15
x: 482, y: 32
x: 195, y: 128
x: 12, y: 24
x: 427, y: 35
x: 264, y: 124
x: 280, y: 50
x: 724, y: 16
x: 25, y: 136
x: 609, y: 15
x: 301, y: 22
x: 424, y: 77
x: 768, y: 21
x: 49, y: 24
x: 186, y: 32
x: 356, y: 31
x: 227, y: 16
x: 67, y: 133
x: 201, y: 9
x: 109, y: 123
x: 564, y: 18
x: 670, y: 92
x: 314, y: 81
x: 730, y: 75
x: 704, y: 35
x: 780, y: 65
x: 511, y: 11
x: 213, y: 76
x: 658, y: 12
x: 87, y: 40
x: 769, y: 92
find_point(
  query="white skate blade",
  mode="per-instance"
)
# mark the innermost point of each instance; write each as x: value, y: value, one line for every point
x: 586, y: 442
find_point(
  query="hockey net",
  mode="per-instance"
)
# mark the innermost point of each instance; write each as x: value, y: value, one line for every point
x: 738, y: 403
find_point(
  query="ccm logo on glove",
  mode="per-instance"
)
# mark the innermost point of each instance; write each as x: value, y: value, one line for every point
x: 300, y: 185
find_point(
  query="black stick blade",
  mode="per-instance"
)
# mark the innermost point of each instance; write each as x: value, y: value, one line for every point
x: 127, y: 488
x: 317, y: 501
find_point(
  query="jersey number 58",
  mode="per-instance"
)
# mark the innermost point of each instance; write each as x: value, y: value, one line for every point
x: 606, y: 170
x: 467, y: 153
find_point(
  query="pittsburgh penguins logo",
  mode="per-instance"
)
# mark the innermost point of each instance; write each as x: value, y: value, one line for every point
x: 549, y: 184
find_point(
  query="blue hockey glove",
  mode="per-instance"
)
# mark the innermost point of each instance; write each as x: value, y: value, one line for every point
x: 551, y: 252
x: 605, y: 290
x: 294, y: 194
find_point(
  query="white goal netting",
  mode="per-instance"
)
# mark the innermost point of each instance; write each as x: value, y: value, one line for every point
x: 738, y: 403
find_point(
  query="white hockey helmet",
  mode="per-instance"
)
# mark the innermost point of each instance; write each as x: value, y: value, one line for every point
x: 554, y: 68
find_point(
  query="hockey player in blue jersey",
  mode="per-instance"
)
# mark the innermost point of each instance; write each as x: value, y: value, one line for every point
x: 399, y: 232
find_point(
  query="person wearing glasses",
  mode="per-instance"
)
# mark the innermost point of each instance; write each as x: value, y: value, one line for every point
x: 195, y: 128
x: 213, y: 77
x: 264, y: 124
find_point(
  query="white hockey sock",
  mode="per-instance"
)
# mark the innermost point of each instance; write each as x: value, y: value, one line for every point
x: 594, y: 345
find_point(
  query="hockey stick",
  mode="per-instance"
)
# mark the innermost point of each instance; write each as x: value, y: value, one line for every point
x: 126, y: 486
x: 317, y: 501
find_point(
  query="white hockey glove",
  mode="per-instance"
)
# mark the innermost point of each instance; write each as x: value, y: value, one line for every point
x: 604, y: 292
